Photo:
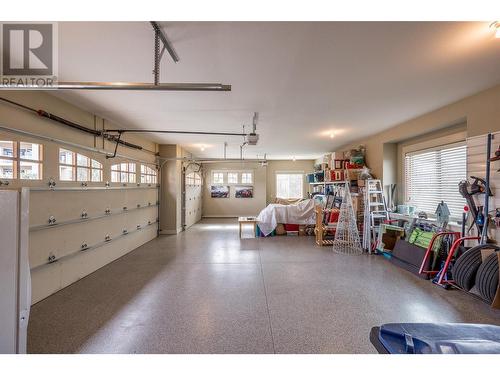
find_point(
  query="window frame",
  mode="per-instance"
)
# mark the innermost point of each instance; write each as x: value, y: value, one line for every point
x: 242, y: 179
x: 193, y: 179
x: 233, y: 173
x: 288, y: 173
x: 11, y: 159
x: 75, y: 167
x: 225, y: 177
x: 214, y: 182
x: 126, y: 172
x: 17, y: 160
x: 414, y: 151
x: 150, y: 173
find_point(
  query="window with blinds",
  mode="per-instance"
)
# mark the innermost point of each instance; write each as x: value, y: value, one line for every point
x: 289, y: 185
x: 432, y: 176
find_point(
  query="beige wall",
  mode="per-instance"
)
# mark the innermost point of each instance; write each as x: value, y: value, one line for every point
x: 231, y: 207
x: 480, y: 112
x: 68, y: 205
x: 171, y: 185
x: 264, y: 187
x: 273, y: 166
x: 390, y: 165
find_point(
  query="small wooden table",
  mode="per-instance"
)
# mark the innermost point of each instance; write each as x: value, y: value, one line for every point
x: 248, y: 220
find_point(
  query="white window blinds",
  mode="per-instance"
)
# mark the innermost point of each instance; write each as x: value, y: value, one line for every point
x: 289, y: 185
x: 432, y: 176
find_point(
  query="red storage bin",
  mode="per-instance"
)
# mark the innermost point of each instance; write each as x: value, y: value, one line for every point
x: 292, y: 227
x: 334, y: 217
x: 336, y: 175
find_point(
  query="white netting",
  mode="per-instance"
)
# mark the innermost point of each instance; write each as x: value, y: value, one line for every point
x: 346, y: 235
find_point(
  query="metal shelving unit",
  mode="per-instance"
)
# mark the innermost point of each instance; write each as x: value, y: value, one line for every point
x: 324, y: 184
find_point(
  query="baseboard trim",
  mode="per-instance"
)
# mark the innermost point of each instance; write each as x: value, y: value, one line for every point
x: 171, y: 231
x: 219, y: 217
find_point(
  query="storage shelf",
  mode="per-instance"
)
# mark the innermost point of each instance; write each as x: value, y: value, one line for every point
x: 327, y: 183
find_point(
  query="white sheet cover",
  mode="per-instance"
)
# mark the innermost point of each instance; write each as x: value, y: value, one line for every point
x: 273, y: 214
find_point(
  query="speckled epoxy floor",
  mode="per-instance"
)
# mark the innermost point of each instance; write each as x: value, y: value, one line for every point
x: 207, y: 291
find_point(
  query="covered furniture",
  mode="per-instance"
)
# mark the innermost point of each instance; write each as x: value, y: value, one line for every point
x: 301, y: 213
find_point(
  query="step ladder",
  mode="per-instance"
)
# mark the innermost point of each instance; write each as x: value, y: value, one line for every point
x: 375, y: 213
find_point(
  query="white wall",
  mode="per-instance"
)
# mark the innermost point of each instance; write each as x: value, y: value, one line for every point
x: 68, y: 205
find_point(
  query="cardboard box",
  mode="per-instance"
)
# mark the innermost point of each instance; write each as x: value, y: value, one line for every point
x: 328, y: 175
x: 280, y: 230
x: 338, y: 164
x: 339, y: 175
x: 353, y: 174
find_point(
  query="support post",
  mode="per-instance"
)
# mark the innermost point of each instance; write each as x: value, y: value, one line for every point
x: 484, y: 234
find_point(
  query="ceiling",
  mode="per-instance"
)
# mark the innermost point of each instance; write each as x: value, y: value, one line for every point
x: 306, y: 79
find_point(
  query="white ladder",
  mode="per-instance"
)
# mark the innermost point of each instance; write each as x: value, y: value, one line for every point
x: 375, y: 212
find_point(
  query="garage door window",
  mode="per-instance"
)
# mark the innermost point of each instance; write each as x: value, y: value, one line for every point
x: 78, y: 167
x: 123, y: 172
x: 432, y: 176
x: 20, y: 159
x: 30, y: 161
x: 148, y: 175
x: 289, y: 185
x: 7, y: 160
x: 193, y: 179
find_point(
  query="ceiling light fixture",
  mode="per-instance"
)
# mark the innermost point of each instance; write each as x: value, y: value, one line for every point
x: 496, y: 26
x: 332, y: 135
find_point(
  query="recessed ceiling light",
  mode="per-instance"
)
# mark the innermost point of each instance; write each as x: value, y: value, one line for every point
x: 332, y: 135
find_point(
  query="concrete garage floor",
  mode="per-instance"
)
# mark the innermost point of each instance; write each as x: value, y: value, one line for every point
x: 207, y: 291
